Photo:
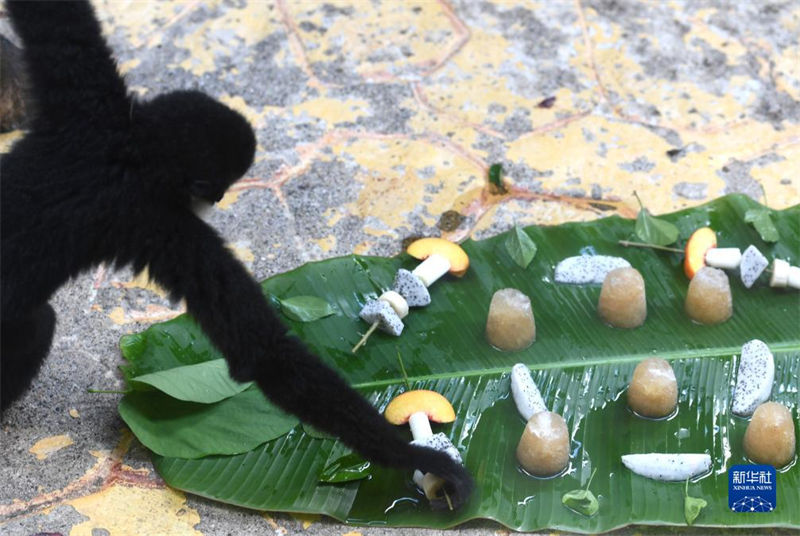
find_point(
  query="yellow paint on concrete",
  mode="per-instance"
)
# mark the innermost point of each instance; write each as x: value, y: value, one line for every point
x: 131, y: 511
x: 242, y: 252
x: 352, y: 533
x: 240, y: 105
x: 385, y: 31
x: 780, y: 179
x: 228, y: 200
x: 326, y: 244
x: 44, y: 448
x: 306, y: 519
x: 142, y: 280
x: 117, y: 315
x: 74, y: 413
x: 333, y: 111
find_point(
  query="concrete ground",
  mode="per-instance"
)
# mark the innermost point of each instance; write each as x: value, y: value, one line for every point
x: 374, y: 120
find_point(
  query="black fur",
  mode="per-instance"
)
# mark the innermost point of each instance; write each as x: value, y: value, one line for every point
x: 101, y: 177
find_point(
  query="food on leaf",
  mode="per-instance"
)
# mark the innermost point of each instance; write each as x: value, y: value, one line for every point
x: 653, y: 391
x: 520, y: 247
x: 418, y: 408
x: 698, y: 244
x: 671, y: 467
x: 726, y: 258
x: 709, y: 300
x: 754, y: 378
x: 425, y: 247
x: 380, y: 312
x: 412, y: 288
x: 794, y: 277
x: 398, y: 302
x: 769, y: 438
x: 587, y: 268
x: 510, y: 324
x: 654, y: 230
x: 622, y: 300
x: 543, y: 449
x: 752, y: 265
x: 762, y: 221
x: 525, y: 393
x: 692, y: 505
x: 780, y: 273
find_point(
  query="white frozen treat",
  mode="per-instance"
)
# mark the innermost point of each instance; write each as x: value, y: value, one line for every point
x: 794, y: 277
x: 526, y: 395
x: 587, y: 268
x: 411, y: 288
x: 753, y: 263
x: 432, y: 268
x: 381, y: 312
x: 727, y: 258
x: 780, y: 273
x: 672, y: 467
x: 754, y: 378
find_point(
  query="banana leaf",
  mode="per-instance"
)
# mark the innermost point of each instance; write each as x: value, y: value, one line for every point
x: 581, y: 366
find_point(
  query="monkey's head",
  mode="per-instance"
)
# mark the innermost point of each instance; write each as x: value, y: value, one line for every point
x: 198, y: 145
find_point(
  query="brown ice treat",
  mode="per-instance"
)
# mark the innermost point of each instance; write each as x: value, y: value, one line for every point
x: 769, y: 438
x: 543, y: 449
x: 622, y: 300
x: 708, y: 299
x: 510, y: 325
x: 653, y: 391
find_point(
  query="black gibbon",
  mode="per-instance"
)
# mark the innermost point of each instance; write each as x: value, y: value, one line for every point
x: 103, y: 177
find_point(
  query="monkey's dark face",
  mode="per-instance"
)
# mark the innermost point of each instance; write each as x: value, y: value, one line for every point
x: 203, y: 145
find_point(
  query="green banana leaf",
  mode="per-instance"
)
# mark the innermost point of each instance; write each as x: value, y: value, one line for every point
x: 581, y: 366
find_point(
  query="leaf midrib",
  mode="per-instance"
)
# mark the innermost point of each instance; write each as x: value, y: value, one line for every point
x: 776, y: 348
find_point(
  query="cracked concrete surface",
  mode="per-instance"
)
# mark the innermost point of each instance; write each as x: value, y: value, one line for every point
x: 374, y: 120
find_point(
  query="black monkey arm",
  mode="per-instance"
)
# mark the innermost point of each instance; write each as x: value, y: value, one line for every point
x: 232, y: 310
x: 70, y: 65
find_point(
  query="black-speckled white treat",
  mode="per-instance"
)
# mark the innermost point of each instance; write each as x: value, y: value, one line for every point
x: 587, y: 268
x: 752, y: 265
x: 667, y: 466
x: 754, y: 379
x: 381, y: 312
x: 411, y: 288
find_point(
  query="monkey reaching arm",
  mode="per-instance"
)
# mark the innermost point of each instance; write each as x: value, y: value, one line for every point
x: 104, y: 178
x: 232, y: 310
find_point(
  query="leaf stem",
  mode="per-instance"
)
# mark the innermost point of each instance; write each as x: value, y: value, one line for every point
x: 363, y: 340
x: 590, y: 478
x: 641, y: 205
x: 644, y: 245
x: 403, y: 370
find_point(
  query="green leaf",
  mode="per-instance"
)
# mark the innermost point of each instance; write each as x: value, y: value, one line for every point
x: 171, y: 427
x: 761, y: 220
x: 692, y: 505
x: 581, y: 366
x: 496, y: 177
x: 306, y: 308
x: 205, y: 382
x: 582, y: 501
x: 653, y: 230
x: 520, y: 247
x: 345, y: 469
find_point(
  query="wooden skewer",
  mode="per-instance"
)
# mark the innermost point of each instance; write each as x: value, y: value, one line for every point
x: 363, y: 340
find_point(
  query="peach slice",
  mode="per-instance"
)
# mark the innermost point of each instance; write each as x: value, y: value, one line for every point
x: 701, y: 241
x: 424, y: 247
x: 432, y: 404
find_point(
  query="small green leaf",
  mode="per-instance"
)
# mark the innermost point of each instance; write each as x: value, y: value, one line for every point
x: 762, y: 221
x: 306, y: 308
x: 172, y: 427
x: 653, y: 230
x: 206, y: 382
x: 496, y: 177
x: 520, y: 247
x: 345, y: 469
x: 582, y: 501
x: 692, y: 505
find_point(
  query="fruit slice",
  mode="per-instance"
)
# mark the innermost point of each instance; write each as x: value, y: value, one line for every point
x: 671, y: 467
x: 526, y: 395
x: 698, y: 244
x: 424, y: 247
x: 754, y: 379
x: 752, y: 265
